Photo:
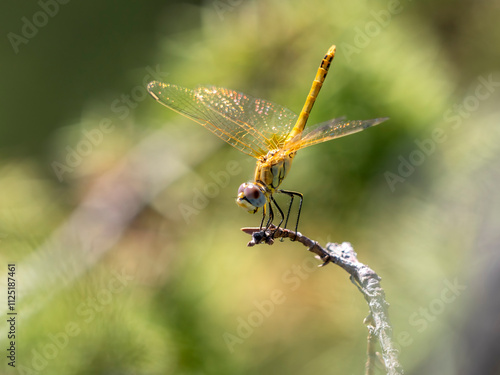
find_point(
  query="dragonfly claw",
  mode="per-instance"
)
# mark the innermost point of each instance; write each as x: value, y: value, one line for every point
x: 260, y: 235
x: 263, y: 236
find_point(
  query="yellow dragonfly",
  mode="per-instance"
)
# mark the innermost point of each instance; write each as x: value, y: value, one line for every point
x: 269, y: 132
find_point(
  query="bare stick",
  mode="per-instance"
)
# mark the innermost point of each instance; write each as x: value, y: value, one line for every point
x: 365, y: 279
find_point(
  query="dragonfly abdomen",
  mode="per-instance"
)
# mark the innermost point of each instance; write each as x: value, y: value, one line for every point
x: 313, y: 93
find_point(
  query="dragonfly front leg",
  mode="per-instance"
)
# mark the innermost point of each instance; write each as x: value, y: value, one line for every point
x: 264, y: 214
x: 280, y: 211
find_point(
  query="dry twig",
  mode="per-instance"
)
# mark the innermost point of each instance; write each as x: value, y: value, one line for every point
x: 365, y: 279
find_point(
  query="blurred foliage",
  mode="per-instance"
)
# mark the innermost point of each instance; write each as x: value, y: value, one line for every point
x: 74, y: 94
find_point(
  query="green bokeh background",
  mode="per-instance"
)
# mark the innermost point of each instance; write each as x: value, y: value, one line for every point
x: 130, y: 259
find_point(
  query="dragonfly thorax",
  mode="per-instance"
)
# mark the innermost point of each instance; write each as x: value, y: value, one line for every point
x: 270, y: 171
x: 272, y: 168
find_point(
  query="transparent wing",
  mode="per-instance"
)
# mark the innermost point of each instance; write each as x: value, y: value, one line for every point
x: 253, y: 126
x: 329, y: 130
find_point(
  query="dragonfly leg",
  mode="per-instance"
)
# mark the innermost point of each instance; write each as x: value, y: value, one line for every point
x: 280, y: 211
x: 292, y: 194
x: 289, y: 209
x: 271, y: 215
x: 282, y: 239
x: 264, y: 214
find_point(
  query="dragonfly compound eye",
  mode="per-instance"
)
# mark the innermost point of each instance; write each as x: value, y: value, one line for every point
x: 252, y: 192
x: 242, y: 187
x: 250, y: 197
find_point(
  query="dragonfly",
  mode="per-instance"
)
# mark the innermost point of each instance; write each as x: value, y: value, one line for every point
x: 267, y: 131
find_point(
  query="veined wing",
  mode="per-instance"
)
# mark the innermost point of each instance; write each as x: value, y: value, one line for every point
x: 329, y: 130
x: 253, y: 126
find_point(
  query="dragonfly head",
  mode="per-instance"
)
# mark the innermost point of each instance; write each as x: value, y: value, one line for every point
x: 251, y: 196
